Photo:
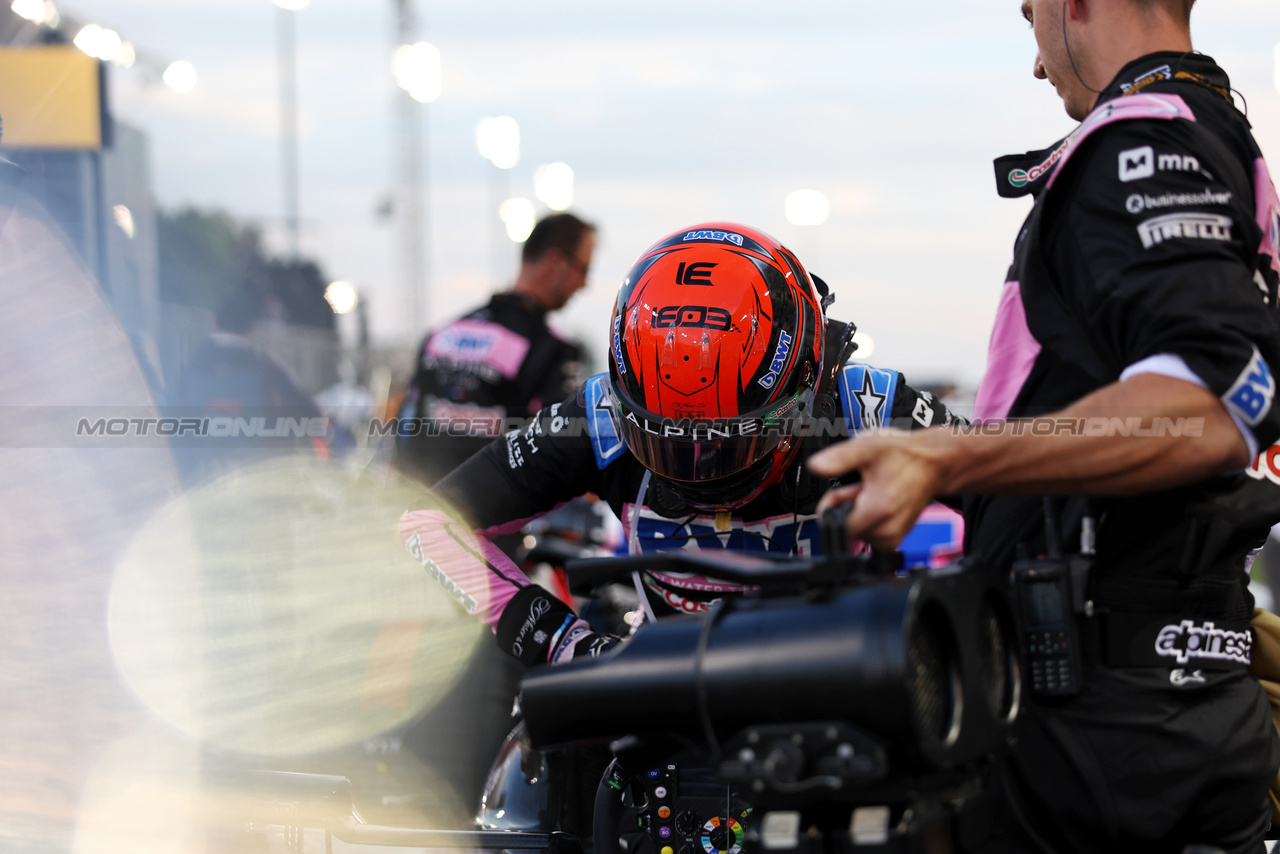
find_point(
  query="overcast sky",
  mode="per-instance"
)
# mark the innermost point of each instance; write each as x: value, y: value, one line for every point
x: 670, y: 113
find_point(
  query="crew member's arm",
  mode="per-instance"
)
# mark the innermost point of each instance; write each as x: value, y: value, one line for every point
x: 901, y: 472
x: 1158, y: 291
x: 516, y: 478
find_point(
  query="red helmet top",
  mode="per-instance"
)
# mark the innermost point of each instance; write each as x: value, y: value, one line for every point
x: 715, y: 352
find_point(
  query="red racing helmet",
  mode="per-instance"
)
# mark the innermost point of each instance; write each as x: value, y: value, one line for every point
x: 716, y: 345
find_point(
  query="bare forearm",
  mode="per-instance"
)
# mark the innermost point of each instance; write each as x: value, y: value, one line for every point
x: 902, y: 473
x: 1070, y: 462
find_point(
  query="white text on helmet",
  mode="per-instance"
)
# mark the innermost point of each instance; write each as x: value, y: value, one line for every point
x: 715, y: 235
x: 617, y: 344
x: 779, y: 359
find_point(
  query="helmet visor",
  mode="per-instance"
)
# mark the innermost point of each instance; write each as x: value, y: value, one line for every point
x: 726, y: 492
x: 700, y: 451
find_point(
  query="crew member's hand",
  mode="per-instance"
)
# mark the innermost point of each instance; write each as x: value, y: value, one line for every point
x: 901, y: 474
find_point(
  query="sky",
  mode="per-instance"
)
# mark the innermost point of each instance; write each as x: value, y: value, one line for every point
x: 670, y: 113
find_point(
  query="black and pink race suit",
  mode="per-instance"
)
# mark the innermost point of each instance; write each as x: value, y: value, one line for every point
x: 574, y: 448
x: 1152, y: 249
x: 500, y: 361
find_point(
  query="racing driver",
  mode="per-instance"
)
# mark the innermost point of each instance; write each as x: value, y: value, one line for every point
x: 724, y: 375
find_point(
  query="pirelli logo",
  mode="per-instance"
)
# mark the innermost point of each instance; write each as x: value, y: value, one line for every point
x: 1194, y: 226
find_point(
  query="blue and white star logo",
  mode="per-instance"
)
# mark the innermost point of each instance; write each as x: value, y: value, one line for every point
x: 866, y: 396
x: 871, y: 402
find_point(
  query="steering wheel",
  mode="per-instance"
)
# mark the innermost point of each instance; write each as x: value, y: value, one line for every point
x: 667, y: 809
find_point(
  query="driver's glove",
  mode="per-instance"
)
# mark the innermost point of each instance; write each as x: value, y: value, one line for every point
x: 537, y: 628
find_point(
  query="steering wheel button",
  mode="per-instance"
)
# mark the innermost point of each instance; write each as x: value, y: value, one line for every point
x: 664, y: 832
x: 664, y: 812
x: 660, y: 792
x: 654, y: 773
x: 667, y: 849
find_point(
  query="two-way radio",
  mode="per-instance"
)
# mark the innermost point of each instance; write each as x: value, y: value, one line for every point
x: 1049, y: 592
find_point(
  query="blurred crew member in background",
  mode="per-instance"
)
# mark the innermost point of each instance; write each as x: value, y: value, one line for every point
x: 1143, y: 292
x: 227, y: 377
x: 500, y: 360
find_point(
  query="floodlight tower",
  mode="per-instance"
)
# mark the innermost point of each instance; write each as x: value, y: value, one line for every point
x: 417, y: 71
x: 287, y: 63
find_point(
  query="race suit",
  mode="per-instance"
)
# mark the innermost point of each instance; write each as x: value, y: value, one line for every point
x: 1152, y: 248
x: 499, y: 361
x: 574, y: 447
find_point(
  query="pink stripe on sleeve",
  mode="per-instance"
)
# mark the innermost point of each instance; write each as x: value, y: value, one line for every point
x: 1268, y: 203
x: 1010, y: 355
x: 1145, y: 106
x: 471, y: 569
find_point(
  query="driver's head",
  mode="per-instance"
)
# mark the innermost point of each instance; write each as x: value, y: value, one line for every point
x: 715, y: 353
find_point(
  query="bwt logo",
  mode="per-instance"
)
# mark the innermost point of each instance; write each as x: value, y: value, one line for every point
x: 457, y: 342
x: 779, y: 359
x: 1254, y: 389
x: 461, y: 596
x: 715, y: 235
x: 617, y: 344
x: 697, y: 316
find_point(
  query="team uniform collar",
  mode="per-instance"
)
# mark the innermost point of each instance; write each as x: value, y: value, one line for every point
x: 1027, y: 174
x: 1167, y: 65
x: 526, y: 301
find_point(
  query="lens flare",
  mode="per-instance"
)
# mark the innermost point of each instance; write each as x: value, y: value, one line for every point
x: 519, y: 217
x: 807, y: 207
x: 154, y: 792
x: 553, y: 185
x: 274, y: 611
x: 498, y: 140
x: 180, y: 76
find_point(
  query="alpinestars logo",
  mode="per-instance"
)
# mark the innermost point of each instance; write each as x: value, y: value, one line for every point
x: 1179, y: 677
x: 1187, y: 641
x: 871, y: 403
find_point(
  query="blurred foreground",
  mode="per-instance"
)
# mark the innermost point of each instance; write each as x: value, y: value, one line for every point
x: 155, y: 637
